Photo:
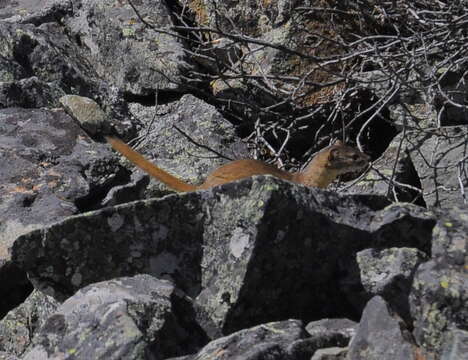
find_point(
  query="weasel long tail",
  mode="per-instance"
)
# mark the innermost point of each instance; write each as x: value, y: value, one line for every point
x: 148, y: 167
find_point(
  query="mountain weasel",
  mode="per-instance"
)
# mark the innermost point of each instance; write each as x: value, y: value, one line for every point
x: 325, y: 167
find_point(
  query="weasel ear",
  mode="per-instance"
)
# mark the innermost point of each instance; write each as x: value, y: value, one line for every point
x: 338, y: 142
x: 332, y: 154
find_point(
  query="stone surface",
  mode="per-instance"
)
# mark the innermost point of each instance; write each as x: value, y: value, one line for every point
x: 126, y: 318
x: 456, y: 346
x: 49, y: 169
x: 86, y: 112
x: 334, y: 353
x: 126, y: 52
x: 438, y: 301
x: 19, y: 326
x: 275, y: 341
x: 389, y: 273
x: 432, y: 160
x: 338, y: 330
x: 194, y: 153
x: 381, y: 335
x: 216, y: 245
x: 449, y: 239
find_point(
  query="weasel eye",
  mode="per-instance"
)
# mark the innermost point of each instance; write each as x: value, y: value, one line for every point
x: 355, y: 157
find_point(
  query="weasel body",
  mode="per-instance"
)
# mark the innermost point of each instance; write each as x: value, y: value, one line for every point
x: 324, y: 168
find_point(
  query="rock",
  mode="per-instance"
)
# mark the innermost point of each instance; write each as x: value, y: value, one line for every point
x: 254, y: 20
x: 428, y: 160
x: 126, y: 318
x: 15, y: 286
x: 339, y: 330
x: 440, y: 288
x: 438, y: 304
x: 86, y: 112
x: 223, y: 249
x: 49, y: 169
x: 34, y: 12
x: 456, y: 345
x: 28, y: 93
x: 19, y: 326
x: 381, y: 335
x: 135, y: 189
x: 44, y: 53
x: 6, y: 356
x: 125, y: 51
x: 334, y: 353
x: 194, y: 153
x: 389, y: 273
x: 394, y: 160
x: 273, y: 341
x: 449, y: 240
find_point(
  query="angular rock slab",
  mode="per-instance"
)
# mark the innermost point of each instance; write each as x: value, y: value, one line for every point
x: 126, y: 318
x: 125, y: 51
x: 339, y: 331
x: 273, y: 341
x: 188, y: 138
x: 260, y: 238
x: 438, y: 304
x: 433, y: 161
x: 381, y: 335
x: 19, y: 326
x: 40, y: 64
x: 389, y: 273
x: 49, y: 169
x: 439, y: 295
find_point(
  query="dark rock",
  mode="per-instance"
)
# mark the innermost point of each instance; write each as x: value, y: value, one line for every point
x: 135, y: 189
x: 449, y: 239
x: 19, y: 326
x: 338, y: 330
x: 15, y: 285
x: 49, y: 169
x: 29, y: 93
x: 34, y: 52
x: 440, y: 288
x: 271, y: 341
x: 34, y: 12
x: 389, y: 273
x: 381, y: 335
x: 40, y: 64
x: 126, y: 52
x: 127, y: 318
x: 428, y: 160
x: 221, y: 245
x: 438, y: 303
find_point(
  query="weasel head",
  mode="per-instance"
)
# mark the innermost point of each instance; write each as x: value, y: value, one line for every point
x: 344, y: 159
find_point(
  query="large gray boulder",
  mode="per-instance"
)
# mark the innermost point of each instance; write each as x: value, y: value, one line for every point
x: 221, y: 245
x: 126, y: 52
x: 381, y: 335
x: 126, y: 318
x: 19, y: 326
x: 427, y: 168
x: 49, y: 169
x: 188, y: 138
x: 389, y: 273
